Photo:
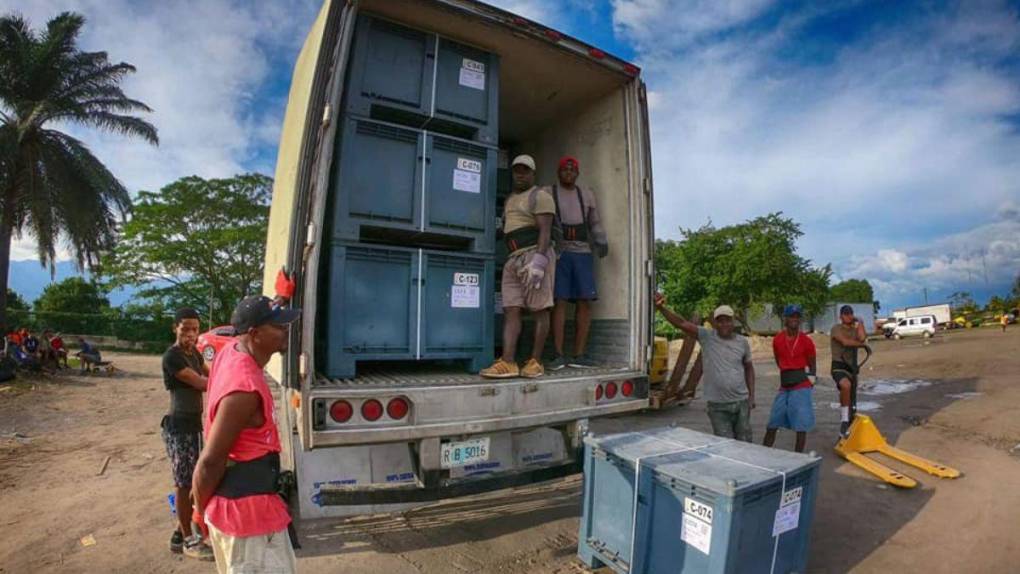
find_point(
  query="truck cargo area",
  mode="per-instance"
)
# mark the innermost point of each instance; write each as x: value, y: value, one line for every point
x: 552, y: 102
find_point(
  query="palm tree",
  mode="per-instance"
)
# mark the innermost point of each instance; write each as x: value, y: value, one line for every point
x: 51, y: 186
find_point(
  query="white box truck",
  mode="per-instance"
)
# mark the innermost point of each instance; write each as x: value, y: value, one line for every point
x: 557, y: 96
x: 942, y: 312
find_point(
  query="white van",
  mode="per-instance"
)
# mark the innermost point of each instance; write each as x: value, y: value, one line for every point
x: 911, y: 326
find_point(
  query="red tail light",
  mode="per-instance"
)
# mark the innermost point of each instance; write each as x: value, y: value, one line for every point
x: 341, y: 411
x: 371, y: 410
x: 610, y: 390
x: 397, y: 408
x: 627, y: 388
x: 598, y: 392
x: 631, y: 69
x: 553, y: 35
x: 596, y: 53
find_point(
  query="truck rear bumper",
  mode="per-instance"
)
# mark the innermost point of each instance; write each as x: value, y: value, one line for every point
x: 411, y: 493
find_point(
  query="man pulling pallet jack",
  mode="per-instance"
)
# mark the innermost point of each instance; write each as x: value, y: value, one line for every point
x: 858, y: 433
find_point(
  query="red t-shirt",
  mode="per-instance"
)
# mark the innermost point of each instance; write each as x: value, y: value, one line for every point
x: 259, y: 514
x: 793, y: 354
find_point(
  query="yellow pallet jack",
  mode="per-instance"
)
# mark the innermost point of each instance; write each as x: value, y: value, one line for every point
x: 864, y: 437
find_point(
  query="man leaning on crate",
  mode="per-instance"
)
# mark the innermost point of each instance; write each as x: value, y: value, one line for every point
x: 529, y: 270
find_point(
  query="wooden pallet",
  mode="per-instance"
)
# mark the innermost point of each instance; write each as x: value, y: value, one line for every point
x: 671, y: 393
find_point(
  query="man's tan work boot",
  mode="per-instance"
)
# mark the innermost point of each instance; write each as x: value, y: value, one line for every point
x: 532, y: 369
x: 501, y: 370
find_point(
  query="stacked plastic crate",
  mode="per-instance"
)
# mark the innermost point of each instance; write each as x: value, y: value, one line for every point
x: 413, y: 203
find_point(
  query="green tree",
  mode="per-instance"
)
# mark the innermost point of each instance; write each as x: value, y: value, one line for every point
x: 745, y: 266
x: 962, y: 302
x: 15, y: 302
x: 196, y: 242
x: 853, y: 291
x: 51, y: 185
x: 73, y: 305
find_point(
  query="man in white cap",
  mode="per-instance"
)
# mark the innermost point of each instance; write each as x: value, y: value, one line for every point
x: 529, y: 270
x: 728, y: 370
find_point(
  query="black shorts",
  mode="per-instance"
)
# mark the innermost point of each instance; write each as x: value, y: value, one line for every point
x: 841, y: 371
x: 182, y: 449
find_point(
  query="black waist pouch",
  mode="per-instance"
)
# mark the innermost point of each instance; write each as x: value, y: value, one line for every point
x: 792, y: 377
x: 521, y: 238
x: 257, y: 476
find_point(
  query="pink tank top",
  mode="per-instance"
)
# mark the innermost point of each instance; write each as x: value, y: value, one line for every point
x: 232, y: 372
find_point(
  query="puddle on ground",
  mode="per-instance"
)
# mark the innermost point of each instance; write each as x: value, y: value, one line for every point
x: 863, y: 406
x: 964, y: 395
x: 890, y: 386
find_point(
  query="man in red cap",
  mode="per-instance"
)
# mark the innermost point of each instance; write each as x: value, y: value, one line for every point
x: 577, y: 215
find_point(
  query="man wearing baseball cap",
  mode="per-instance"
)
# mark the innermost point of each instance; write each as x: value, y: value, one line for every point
x: 846, y: 337
x: 235, y: 488
x: 529, y: 271
x: 793, y: 407
x: 727, y: 370
x: 578, y: 217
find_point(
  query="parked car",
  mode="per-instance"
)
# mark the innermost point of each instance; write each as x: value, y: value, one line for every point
x: 913, y: 326
x: 210, y: 342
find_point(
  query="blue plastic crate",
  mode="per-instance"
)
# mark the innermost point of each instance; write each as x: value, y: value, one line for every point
x: 403, y: 304
x: 422, y: 80
x: 412, y: 187
x: 703, y: 504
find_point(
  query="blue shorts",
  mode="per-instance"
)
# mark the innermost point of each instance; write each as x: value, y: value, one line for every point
x: 793, y: 410
x: 575, y: 277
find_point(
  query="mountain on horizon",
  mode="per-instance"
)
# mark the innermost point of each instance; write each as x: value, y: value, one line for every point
x: 28, y: 278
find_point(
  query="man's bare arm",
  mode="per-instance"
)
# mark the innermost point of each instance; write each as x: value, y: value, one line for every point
x: 749, y: 381
x: 193, y: 379
x: 544, y: 221
x: 674, y: 319
x: 233, y: 414
x: 848, y: 341
x: 862, y: 335
x: 812, y: 363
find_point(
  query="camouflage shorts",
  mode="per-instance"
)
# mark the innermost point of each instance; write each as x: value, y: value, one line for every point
x: 182, y: 449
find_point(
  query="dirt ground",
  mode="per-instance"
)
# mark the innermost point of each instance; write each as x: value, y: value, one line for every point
x: 56, y: 433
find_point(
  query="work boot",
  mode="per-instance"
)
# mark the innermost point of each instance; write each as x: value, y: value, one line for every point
x: 195, y: 548
x: 844, y: 429
x: 583, y: 361
x: 532, y: 369
x: 177, y: 542
x: 558, y: 363
x: 501, y: 370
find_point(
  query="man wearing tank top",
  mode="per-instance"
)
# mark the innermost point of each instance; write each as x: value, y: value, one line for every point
x: 235, y: 479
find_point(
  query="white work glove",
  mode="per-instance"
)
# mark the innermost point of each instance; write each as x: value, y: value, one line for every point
x: 535, y: 270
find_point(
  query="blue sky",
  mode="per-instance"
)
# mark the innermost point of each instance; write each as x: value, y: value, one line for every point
x: 889, y: 130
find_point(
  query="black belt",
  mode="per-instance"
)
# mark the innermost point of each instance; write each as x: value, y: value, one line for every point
x: 251, y: 477
x: 521, y: 238
x: 792, y: 377
x: 575, y: 232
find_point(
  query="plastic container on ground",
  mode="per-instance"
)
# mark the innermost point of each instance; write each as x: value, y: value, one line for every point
x: 420, y: 79
x: 406, y: 186
x: 703, y: 504
x: 405, y: 304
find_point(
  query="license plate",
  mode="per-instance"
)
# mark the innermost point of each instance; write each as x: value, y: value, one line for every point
x: 457, y: 454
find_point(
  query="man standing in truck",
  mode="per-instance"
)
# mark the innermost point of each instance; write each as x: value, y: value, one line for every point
x: 184, y: 376
x: 235, y: 482
x: 846, y: 337
x: 728, y: 370
x: 578, y: 217
x: 527, y: 275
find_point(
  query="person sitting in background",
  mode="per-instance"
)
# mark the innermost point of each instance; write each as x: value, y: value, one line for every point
x: 88, y: 355
x: 57, y: 344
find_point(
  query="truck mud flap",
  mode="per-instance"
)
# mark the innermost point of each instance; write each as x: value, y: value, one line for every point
x: 340, y: 495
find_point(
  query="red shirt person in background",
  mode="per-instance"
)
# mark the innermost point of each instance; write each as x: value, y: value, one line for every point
x: 246, y: 520
x: 793, y: 407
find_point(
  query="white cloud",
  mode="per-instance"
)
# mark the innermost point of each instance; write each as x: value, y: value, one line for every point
x: 671, y: 22
x: 898, y: 139
x: 201, y: 64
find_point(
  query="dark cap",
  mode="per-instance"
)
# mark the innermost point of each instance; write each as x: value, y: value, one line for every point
x: 846, y: 310
x: 260, y: 310
x: 793, y: 309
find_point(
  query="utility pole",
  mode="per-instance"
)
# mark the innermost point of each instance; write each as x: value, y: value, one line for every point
x: 925, y: 295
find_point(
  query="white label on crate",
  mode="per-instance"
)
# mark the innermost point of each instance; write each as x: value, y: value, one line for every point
x: 465, y: 297
x: 791, y: 496
x: 469, y: 165
x: 472, y: 74
x: 465, y: 279
x: 697, y: 533
x: 468, y: 181
x: 787, y: 518
x: 698, y: 510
